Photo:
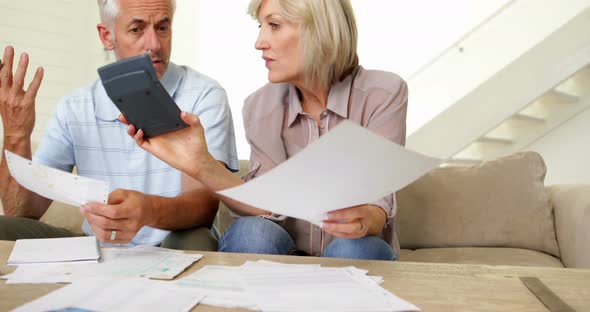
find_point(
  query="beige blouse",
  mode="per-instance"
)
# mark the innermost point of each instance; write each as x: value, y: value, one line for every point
x: 277, y: 128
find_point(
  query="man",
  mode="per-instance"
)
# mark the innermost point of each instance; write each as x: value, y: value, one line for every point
x: 147, y: 202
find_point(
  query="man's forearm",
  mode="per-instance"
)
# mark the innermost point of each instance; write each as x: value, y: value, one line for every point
x: 189, y: 209
x: 16, y: 200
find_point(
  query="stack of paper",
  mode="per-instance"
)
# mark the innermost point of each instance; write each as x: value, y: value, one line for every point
x: 55, y: 250
x: 131, y: 294
x: 140, y: 261
x: 271, y: 286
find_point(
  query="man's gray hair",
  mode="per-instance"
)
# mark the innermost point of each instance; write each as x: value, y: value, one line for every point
x: 109, y: 10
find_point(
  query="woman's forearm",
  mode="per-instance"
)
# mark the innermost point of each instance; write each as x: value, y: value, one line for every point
x: 216, y: 177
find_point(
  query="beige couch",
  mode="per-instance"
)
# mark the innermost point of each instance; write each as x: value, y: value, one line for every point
x: 497, y: 213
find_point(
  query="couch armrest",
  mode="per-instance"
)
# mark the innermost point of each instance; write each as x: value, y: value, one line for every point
x: 225, y: 217
x: 571, y: 206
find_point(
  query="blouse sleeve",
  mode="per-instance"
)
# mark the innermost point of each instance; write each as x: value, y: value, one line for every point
x: 389, y: 120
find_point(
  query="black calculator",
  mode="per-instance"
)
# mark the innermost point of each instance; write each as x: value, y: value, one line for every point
x: 134, y: 87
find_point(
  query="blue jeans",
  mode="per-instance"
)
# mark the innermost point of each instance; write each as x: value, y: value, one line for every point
x: 261, y: 236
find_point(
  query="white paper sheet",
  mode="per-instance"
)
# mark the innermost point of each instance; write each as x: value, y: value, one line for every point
x: 55, y: 184
x: 348, y: 166
x: 48, y: 250
x: 116, y: 295
x: 152, y: 262
x: 319, y: 289
x: 221, y: 285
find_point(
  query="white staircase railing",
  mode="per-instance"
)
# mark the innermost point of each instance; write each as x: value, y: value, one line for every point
x: 516, y: 77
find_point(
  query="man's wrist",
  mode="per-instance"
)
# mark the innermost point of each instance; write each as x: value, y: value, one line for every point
x: 154, y: 205
x: 20, y: 145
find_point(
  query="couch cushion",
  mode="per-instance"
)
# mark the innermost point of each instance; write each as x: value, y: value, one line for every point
x: 488, y: 256
x: 404, y: 253
x: 500, y: 203
x: 61, y: 215
x: 64, y: 216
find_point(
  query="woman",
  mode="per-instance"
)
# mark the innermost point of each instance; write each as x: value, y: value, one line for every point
x: 309, y: 47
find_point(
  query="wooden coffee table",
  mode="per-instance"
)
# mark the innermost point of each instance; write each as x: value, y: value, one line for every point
x: 432, y: 287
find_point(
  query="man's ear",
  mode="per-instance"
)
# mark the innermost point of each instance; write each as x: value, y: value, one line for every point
x: 106, y: 36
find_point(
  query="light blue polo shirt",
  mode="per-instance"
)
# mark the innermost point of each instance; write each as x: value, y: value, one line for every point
x: 85, y: 132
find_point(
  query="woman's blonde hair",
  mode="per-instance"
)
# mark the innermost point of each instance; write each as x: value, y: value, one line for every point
x: 328, y: 37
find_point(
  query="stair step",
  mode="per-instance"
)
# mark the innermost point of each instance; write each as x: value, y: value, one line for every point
x: 462, y: 162
x: 529, y: 118
x: 564, y: 96
x: 578, y: 84
x: 487, y: 139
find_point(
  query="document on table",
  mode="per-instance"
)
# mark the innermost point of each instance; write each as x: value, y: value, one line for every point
x: 146, y: 261
x: 221, y: 285
x: 348, y: 166
x: 52, y: 250
x: 319, y: 289
x: 141, y: 261
x: 131, y: 294
x: 56, y: 184
x: 268, y: 286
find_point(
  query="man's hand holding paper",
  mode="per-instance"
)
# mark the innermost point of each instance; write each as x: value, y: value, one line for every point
x: 124, y: 215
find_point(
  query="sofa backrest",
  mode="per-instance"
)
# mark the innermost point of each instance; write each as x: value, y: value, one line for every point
x: 500, y: 203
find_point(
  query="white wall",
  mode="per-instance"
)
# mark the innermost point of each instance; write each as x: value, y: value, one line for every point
x: 185, y: 41
x: 566, y: 151
x: 394, y: 35
x: 217, y: 38
x: 58, y: 35
x: 225, y: 40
